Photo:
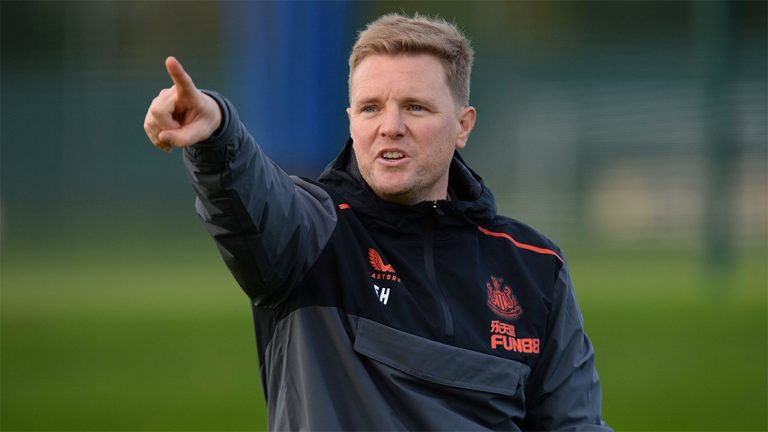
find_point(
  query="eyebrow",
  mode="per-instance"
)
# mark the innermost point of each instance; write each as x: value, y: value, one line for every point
x: 419, y: 101
x: 366, y: 101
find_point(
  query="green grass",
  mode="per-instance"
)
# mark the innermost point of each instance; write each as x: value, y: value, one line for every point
x: 152, y: 334
x: 155, y: 338
x: 675, y: 351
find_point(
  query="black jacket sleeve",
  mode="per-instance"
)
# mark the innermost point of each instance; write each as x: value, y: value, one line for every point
x: 564, y: 387
x: 268, y: 226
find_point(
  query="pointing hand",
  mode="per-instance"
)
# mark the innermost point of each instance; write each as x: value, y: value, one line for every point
x: 181, y: 115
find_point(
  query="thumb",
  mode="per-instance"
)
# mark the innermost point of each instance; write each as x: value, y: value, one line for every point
x: 182, y: 137
x: 183, y: 82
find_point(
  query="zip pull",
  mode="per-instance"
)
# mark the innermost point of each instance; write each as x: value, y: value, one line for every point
x: 436, y: 208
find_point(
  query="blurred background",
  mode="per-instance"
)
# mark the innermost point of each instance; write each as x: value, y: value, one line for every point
x: 632, y: 133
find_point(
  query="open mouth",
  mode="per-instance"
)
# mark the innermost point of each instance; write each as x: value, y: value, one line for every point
x: 392, y: 155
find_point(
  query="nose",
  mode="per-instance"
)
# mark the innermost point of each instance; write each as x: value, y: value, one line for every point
x: 392, y: 125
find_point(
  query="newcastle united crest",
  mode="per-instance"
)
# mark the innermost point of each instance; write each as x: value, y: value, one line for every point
x: 501, y: 300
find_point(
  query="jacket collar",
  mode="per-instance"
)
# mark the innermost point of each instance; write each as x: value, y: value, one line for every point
x: 469, y: 200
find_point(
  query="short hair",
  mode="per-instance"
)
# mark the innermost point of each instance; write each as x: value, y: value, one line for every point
x: 394, y: 34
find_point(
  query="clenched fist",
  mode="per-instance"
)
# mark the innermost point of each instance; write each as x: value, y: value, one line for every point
x: 181, y: 115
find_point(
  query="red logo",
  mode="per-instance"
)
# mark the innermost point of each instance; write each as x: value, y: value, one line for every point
x: 503, y: 336
x: 502, y: 301
x: 381, y: 271
x: 378, y: 263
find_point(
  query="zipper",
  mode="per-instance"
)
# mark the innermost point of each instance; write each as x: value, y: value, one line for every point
x: 429, y: 262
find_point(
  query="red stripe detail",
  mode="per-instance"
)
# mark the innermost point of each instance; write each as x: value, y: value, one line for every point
x: 518, y: 244
x: 344, y: 206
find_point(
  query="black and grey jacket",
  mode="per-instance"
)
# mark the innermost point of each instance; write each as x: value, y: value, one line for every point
x: 376, y: 316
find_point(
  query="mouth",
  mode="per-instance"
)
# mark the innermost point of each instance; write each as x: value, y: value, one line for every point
x: 390, y: 155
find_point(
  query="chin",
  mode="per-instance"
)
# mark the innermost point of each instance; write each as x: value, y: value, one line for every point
x: 391, y: 193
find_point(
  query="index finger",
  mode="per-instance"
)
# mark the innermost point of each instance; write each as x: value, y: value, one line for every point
x: 181, y: 79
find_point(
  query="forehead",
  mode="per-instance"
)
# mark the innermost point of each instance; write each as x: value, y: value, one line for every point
x: 410, y: 74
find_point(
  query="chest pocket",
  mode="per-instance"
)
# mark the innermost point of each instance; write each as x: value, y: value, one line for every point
x: 439, y: 386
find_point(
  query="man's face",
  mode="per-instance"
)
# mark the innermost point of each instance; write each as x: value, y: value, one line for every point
x: 405, y: 126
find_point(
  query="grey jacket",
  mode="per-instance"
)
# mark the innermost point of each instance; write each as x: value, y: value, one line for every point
x: 375, y: 316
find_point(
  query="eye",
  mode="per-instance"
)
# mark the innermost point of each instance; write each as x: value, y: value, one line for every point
x: 415, y: 108
x: 368, y: 109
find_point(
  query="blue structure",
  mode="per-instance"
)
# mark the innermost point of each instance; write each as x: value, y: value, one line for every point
x: 286, y: 63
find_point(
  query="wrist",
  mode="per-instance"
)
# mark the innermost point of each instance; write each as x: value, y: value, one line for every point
x: 217, y: 115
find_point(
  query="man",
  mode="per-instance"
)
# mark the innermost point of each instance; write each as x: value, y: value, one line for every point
x: 389, y: 294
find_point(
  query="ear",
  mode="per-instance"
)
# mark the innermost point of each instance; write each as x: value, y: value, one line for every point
x: 349, y: 116
x: 467, y: 118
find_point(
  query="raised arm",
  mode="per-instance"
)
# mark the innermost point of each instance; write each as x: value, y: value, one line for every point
x: 269, y: 227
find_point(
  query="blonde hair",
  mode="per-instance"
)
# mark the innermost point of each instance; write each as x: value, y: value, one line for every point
x: 394, y: 34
